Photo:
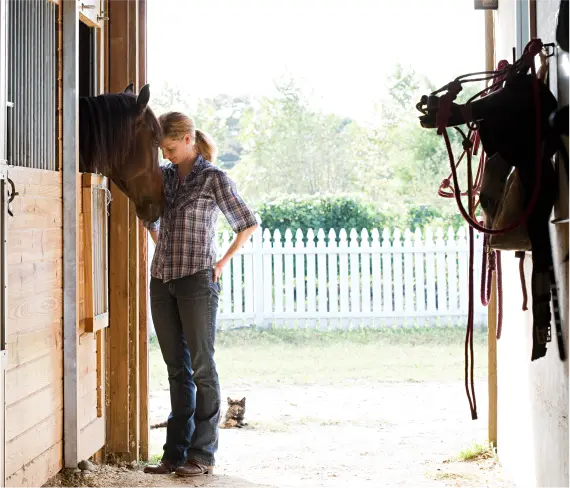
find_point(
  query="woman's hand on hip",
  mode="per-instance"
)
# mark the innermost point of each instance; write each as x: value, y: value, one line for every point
x: 217, y: 271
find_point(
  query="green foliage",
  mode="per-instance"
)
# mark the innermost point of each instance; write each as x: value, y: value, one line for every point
x: 321, y: 213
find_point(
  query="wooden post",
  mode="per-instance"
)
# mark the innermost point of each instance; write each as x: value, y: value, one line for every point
x: 532, y: 18
x: 144, y: 425
x: 119, y: 301
x: 492, y: 307
x: 134, y: 404
x: 492, y: 363
x: 70, y: 229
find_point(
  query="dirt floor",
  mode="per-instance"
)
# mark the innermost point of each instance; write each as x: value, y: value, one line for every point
x: 389, y: 434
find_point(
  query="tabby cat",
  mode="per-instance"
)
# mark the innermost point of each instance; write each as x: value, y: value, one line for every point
x: 234, y: 414
x: 233, y: 418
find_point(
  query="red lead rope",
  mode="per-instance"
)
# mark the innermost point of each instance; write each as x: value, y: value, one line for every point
x: 469, y: 142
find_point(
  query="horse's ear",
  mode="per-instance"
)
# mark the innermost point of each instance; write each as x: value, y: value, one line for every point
x: 130, y: 88
x: 143, y: 98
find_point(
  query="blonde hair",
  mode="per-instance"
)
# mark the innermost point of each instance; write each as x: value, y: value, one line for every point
x: 176, y: 125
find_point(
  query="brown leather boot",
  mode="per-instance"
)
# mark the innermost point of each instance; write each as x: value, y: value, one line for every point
x: 194, y: 468
x: 163, y: 467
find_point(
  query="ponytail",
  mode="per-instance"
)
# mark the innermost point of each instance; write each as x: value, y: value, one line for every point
x: 206, y: 146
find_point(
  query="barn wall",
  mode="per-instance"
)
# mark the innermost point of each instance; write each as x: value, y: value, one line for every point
x: 533, y: 396
x: 34, y: 377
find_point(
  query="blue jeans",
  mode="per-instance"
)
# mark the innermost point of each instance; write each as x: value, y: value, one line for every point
x: 184, y: 316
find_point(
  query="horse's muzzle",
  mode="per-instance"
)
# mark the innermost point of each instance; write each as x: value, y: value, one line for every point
x: 149, y: 212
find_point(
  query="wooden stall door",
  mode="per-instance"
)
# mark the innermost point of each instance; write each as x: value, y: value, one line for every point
x: 3, y: 230
x: 93, y: 312
x: 93, y: 252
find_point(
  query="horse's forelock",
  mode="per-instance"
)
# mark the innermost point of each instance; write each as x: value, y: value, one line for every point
x: 108, y: 128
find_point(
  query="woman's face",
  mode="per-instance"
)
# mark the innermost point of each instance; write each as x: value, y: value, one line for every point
x: 176, y: 150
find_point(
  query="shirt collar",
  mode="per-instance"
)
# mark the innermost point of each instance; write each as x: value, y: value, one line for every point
x: 196, y: 168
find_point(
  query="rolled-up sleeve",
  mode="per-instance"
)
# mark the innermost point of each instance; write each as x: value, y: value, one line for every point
x: 238, y: 214
x: 152, y: 226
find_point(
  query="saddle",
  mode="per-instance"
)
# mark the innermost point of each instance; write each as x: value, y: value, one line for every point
x: 513, y: 123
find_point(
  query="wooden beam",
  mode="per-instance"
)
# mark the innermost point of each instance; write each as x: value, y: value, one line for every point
x: 492, y: 363
x: 70, y: 22
x: 144, y: 427
x: 134, y: 403
x: 123, y: 422
x: 118, y: 332
x: 532, y: 18
x: 489, y: 40
x: 492, y: 307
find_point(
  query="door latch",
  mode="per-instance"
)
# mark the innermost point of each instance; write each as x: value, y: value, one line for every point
x: 11, y: 195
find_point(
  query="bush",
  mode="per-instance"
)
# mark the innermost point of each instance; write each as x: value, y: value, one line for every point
x: 321, y: 212
x: 424, y: 216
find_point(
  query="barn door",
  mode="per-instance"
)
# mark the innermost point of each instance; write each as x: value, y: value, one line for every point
x: 3, y: 229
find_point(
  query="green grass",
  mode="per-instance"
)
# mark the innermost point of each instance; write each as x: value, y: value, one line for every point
x: 476, y: 452
x: 285, y: 356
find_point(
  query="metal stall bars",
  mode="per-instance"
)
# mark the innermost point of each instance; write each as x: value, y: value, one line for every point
x: 32, y: 84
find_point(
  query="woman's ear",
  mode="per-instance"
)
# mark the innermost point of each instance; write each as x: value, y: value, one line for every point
x: 187, y: 139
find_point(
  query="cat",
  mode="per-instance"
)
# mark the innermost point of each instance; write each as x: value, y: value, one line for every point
x: 234, y: 414
x: 233, y: 418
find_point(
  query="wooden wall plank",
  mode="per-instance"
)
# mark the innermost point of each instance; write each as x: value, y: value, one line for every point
x: 35, y: 473
x: 36, y: 213
x: 88, y: 384
x: 87, y: 410
x: 32, y: 443
x: 34, y: 311
x: 23, y: 415
x: 34, y: 277
x: 27, y: 346
x: 27, y: 246
x: 33, y: 376
x: 39, y: 177
x: 92, y: 438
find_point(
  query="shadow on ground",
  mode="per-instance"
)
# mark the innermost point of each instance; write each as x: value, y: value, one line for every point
x: 121, y: 477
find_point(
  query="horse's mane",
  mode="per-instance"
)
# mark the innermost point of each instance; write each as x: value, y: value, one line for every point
x: 107, y: 131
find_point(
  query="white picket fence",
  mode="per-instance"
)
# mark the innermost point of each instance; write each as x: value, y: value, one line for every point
x: 363, y: 280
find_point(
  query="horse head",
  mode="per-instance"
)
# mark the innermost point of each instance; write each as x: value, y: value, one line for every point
x: 119, y: 137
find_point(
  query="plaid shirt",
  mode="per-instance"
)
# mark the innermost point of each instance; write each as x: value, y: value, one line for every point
x: 187, y: 237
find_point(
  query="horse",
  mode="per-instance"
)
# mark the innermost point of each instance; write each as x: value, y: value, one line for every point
x: 118, y: 138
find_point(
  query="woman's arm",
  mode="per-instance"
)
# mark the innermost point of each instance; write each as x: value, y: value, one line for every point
x: 240, y: 239
x: 240, y: 217
x: 154, y: 236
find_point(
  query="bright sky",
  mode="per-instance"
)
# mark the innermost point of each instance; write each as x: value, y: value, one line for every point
x: 340, y: 51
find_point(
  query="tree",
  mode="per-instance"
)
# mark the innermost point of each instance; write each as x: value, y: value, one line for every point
x: 292, y: 149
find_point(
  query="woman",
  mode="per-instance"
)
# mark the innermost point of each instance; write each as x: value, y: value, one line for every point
x: 184, y: 290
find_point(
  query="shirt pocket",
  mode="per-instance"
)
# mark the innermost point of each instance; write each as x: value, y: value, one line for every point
x: 188, y: 200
